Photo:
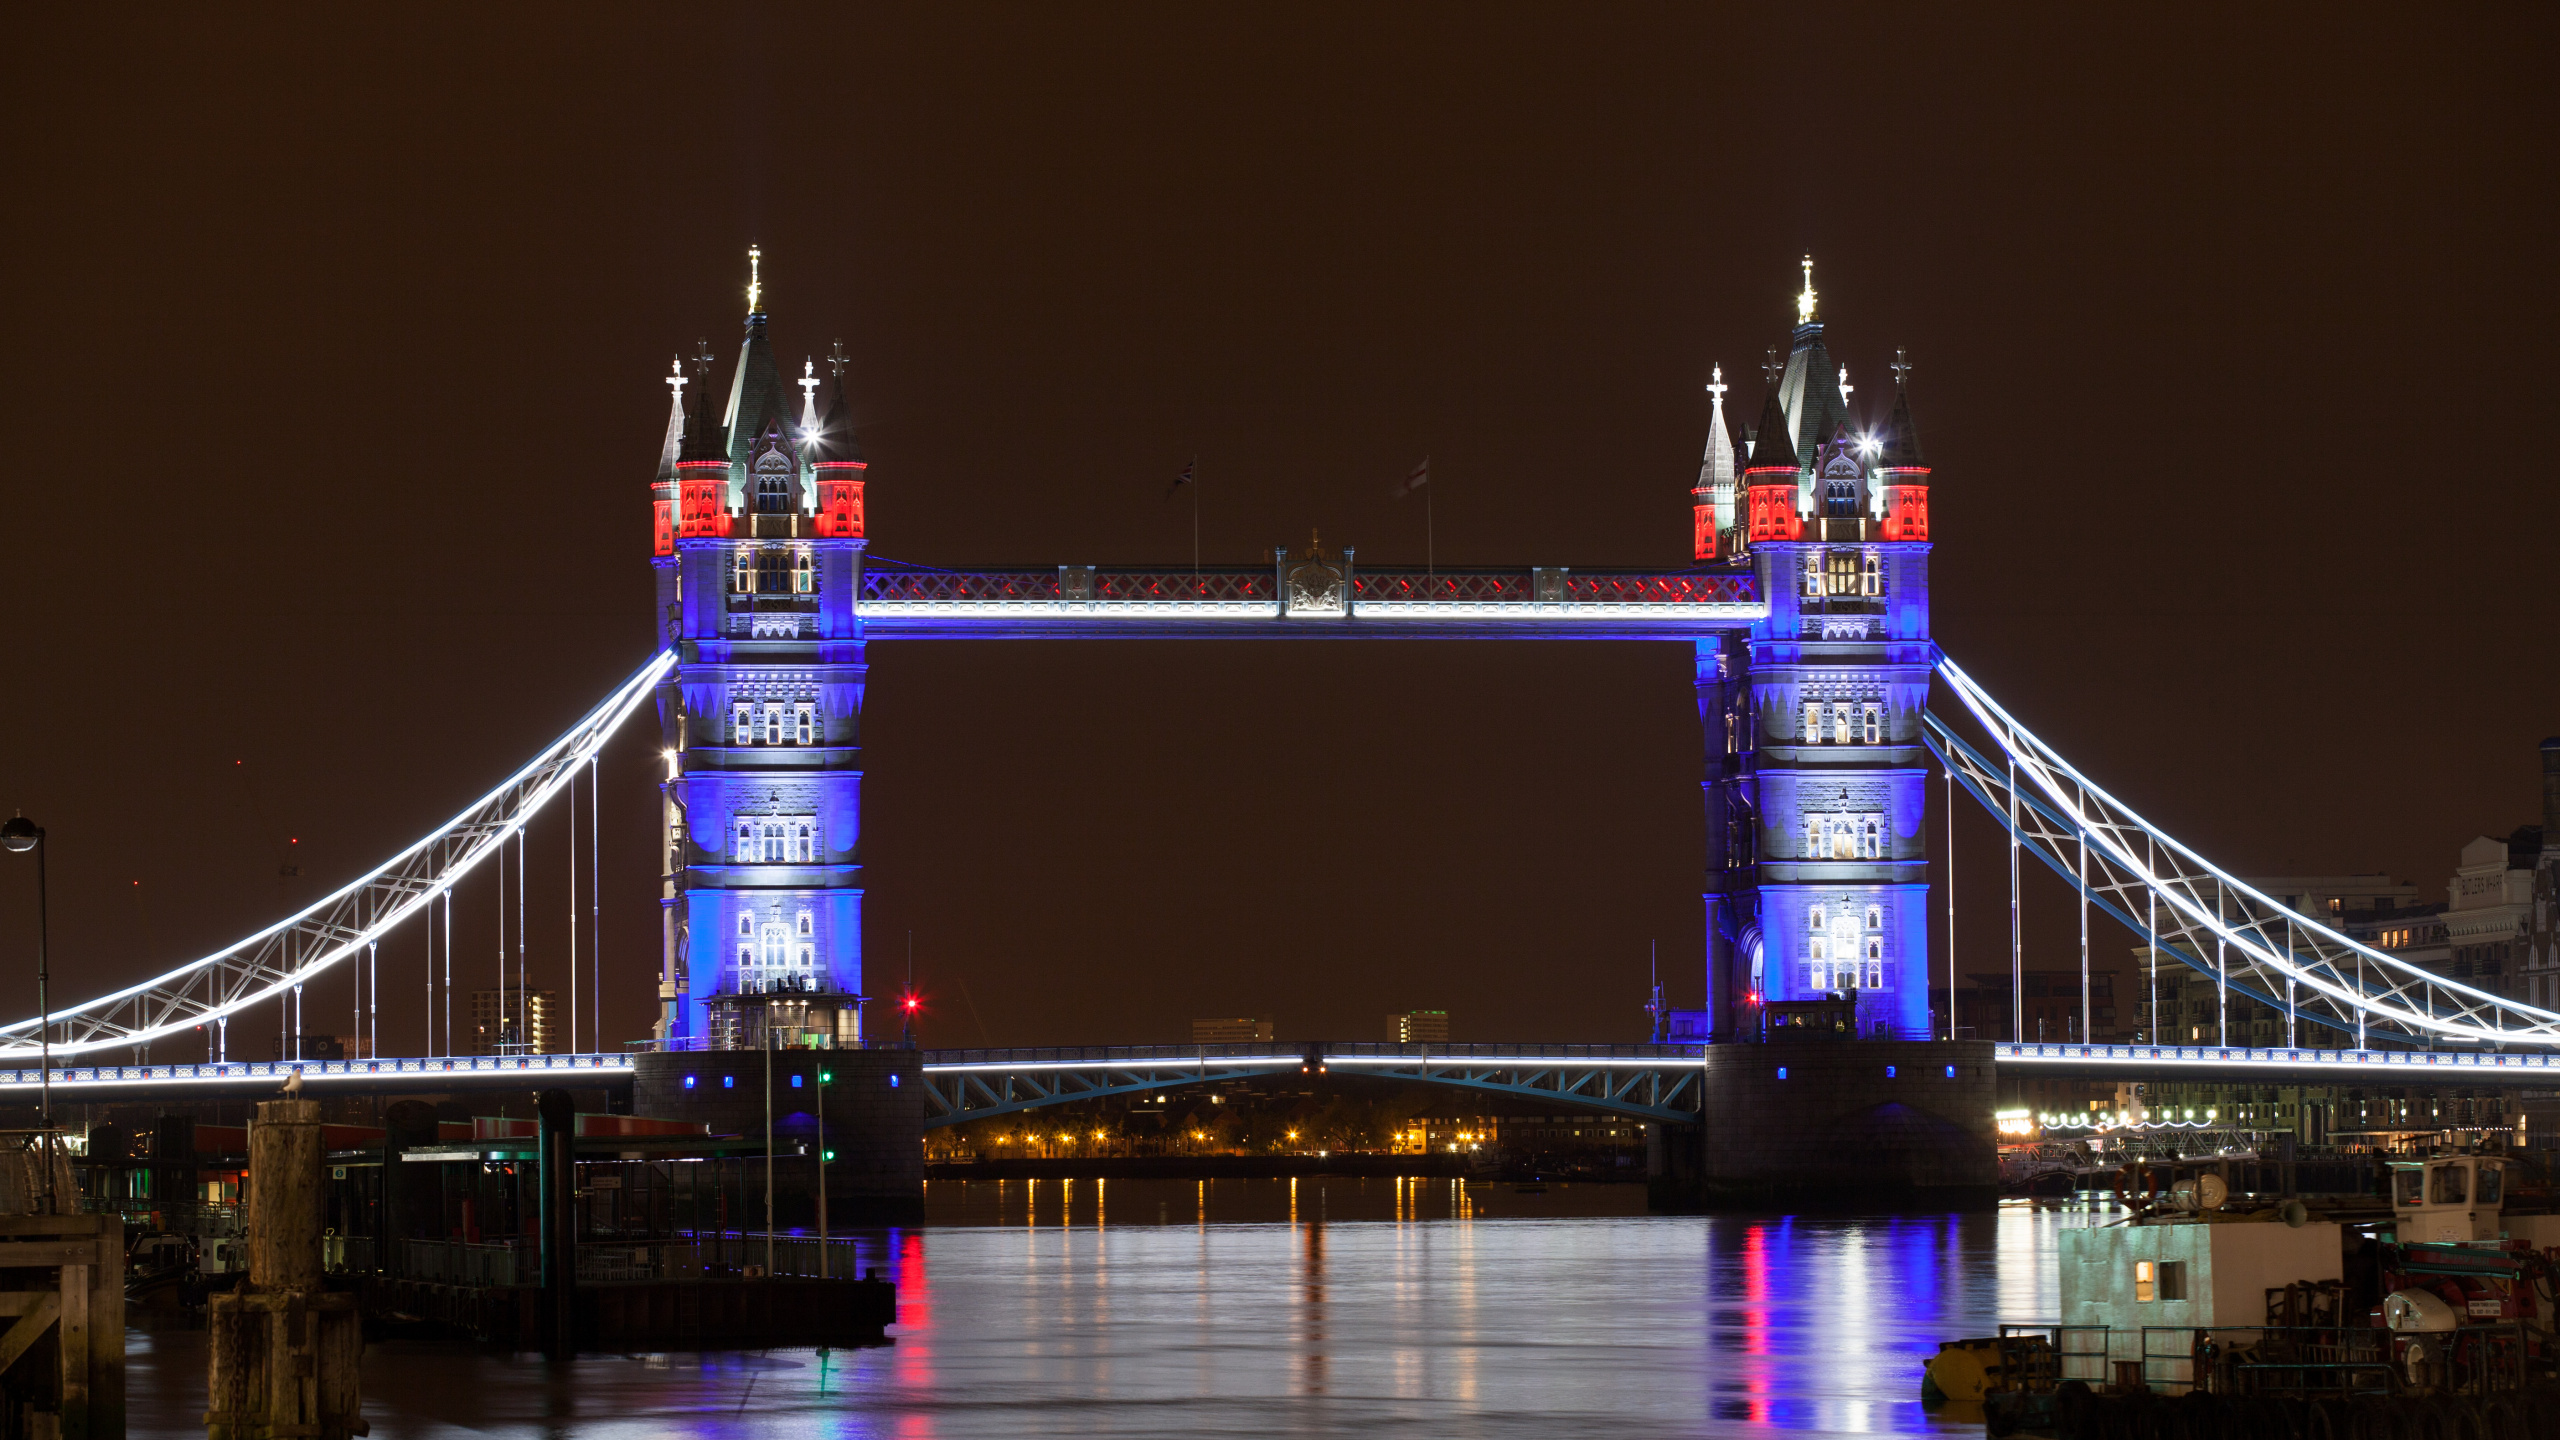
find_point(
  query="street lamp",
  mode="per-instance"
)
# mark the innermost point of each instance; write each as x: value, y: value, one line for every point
x: 20, y: 834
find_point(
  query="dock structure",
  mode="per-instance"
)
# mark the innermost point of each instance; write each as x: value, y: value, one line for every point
x: 62, y: 1300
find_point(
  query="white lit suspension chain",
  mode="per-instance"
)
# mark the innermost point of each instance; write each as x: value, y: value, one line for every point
x: 2206, y: 918
x: 269, y: 964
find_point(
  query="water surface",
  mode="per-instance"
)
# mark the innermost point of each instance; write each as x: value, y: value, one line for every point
x: 1314, y: 1307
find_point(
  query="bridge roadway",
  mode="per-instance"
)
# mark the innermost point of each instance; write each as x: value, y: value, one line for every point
x: 1646, y: 1082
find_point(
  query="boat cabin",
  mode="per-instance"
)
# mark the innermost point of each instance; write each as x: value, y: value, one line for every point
x: 2449, y: 1199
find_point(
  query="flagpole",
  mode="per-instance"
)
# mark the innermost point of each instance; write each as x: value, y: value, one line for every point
x: 1195, y: 528
x: 1430, y: 548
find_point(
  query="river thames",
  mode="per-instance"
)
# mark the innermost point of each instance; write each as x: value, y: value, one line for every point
x: 1310, y: 1307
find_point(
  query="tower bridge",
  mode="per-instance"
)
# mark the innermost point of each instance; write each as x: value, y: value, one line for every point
x: 1806, y: 612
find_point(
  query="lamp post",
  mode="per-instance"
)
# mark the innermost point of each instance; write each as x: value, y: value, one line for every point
x: 20, y: 834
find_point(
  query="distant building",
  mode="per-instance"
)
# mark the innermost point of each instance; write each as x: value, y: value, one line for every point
x: 1984, y: 1010
x: 2488, y: 916
x: 514, y: 1021
x: 1418, y: 1027
x: 1242, y: 1031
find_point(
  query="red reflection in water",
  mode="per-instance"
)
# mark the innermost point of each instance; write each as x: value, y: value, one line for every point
x: 915, y: 1326
x: 1755, y: 1323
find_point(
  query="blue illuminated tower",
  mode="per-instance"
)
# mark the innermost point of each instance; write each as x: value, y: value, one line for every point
x: 758, y: 552
x: 1815, y: 807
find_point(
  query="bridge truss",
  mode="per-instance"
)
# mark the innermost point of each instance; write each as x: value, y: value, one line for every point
x: 2202, y: 916
x: 294, y: 950
x: 1644, y: 1082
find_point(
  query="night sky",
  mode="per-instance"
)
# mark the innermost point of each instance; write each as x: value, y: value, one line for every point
x: 334, y: 387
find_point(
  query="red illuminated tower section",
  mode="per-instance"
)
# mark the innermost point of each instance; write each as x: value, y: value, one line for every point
x: 1900, y: 472
x: 1771, y: 479
x: 836, y: 463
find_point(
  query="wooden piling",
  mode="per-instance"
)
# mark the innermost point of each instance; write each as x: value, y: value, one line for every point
x: 285, y: 1349
x: 75, y: 1265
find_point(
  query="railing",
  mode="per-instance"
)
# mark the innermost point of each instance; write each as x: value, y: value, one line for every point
x: 2379, y: 1060
x: 716, y: 1257
x: 1294, y: 1052
x: 459, y: 1262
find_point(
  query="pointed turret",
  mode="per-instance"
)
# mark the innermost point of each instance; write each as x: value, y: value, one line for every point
x: 662, y: 491
x: 1711, y: 500
x: 835, y: 460
x: 1811, y: 389
x: 1771, y: 477
x: 702, y: 467
x: 756, y: 391
x: 1899, y: 471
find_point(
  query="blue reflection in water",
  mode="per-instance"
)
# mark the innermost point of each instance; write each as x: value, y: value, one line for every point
x: 1379, y: 1307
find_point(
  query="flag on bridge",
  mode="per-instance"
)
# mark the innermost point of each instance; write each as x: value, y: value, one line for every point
x: 1190, y: 469
x: 1420, y: 477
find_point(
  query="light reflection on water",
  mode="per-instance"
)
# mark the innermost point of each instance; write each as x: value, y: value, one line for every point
x: 1309, y: 1307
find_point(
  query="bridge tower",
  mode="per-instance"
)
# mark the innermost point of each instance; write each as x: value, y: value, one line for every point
x: 758, y: 532
x: 1815, y: 805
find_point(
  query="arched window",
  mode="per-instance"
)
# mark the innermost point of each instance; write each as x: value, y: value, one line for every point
x: 1875, y: 917
x: 1839, y: 496
x: 1871, y: 838
x: 804, y: 849
x: 804, y: 578
x: 746, y: 928
x: 746, y: 852
x: 1813, y: 837
x: 744, y: 731
x: 773, y: 572
x: 1813, y: 722
x: 746, y: 964
x: 773, y: 483
x: 1872, y: 581
x: 1814, y: 920
x: 773, y: 842
x: 1812, y: 572
x: 773, y: 947
x: 742, y: 575
x: 805, y: 721
x: 805, y: 925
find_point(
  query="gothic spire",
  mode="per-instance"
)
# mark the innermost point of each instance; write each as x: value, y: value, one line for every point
x: 704, y: 439
x: 674, y: 446
x: 835, y: 440
x: 756, y: 392
x: 1771, y: 448
x: 1901, y: 437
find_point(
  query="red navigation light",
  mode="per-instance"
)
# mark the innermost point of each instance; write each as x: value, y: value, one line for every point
x: 911, y: 1002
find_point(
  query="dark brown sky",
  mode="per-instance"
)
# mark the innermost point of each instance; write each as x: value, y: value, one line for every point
x: 333, y: 387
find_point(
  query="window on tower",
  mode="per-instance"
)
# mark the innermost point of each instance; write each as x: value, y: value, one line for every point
x: 1812, y: 573
x: 1873, y: 723
x: 804, y: 577
x: 773, y: 573
x: 1813, y: 837
x: 1840, y: 722
x: 1871, y: 582
x: 742, y: 574
x: 1842, y: 578
x: 807, y: 926
x: 805, y: 723
x: 742, y: 728
x: 1871, y: 838
x: 773, y: 483
x: 1875, y: 918
x: 1813, y: 722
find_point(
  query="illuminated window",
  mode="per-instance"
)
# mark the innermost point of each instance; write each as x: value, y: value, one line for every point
x: 1871, y: 580
x: 1871, y: 838
x: 742, y: 579
x: 1875, y: 917
x: 746, y: 850
x: 746, y: 927
x: 1840, y: 726
x: 804, y: 578
x: 1818, y: 948
x: 806, y: 926
x: 1814, y: 920
x: 2146, y: 1282
x: 1813, y: 722
x: 804, y: 848
x: 1875, y: 974
x: 808, y: 957
x: 773, y: 572
x: 773, y: 483
x: 746, y: 960
x: 1874, y: 723
x: 1843, y: 576
x: 805, y: 723
x: 743, y: 724
x: 1813, y: 837
x: 1813, y: 573
x: 769, y: 729
x: 1844, y: 840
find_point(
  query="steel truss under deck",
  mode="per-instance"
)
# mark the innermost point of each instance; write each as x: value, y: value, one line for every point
x: 1645, y: 1082
x: 2202, y: 916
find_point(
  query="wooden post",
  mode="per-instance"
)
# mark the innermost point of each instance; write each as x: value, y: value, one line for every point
x: 285, y: 1348
x: 84, y: 1308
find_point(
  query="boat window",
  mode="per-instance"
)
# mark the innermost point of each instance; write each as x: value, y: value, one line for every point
x: 2492, y: 1180
x: 2173, y: 1279
x: 2143, y: 1271
x: 2412, y: 1188
x: 2448, y: 1188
